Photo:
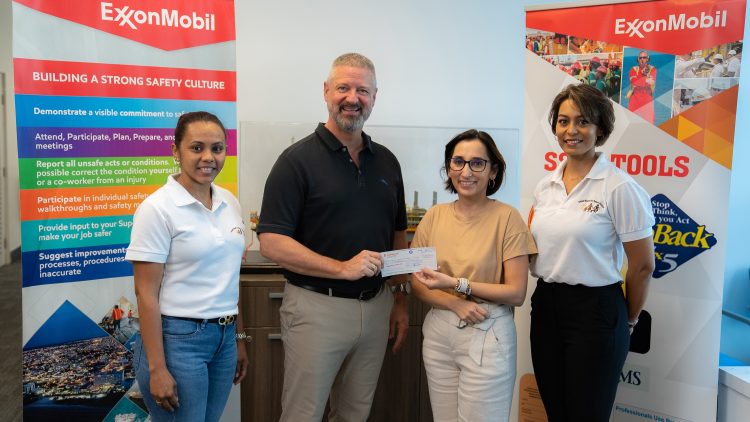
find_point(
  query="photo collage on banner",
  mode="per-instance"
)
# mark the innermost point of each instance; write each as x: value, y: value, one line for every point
x: 99, y: 88
x: 672, y: 70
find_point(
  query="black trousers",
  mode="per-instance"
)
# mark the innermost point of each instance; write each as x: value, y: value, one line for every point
x: 579, y: 341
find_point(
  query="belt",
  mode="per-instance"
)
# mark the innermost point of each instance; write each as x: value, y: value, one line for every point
x: 223, y: 320
x: 363, y: 295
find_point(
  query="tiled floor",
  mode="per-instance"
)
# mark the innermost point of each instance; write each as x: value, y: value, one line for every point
x: 10, y: 343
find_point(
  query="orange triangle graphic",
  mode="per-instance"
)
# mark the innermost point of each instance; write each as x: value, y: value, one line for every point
x: 670, y: 126
x: 686, y: 128
x: 695, y: 142
x: 724, y: 127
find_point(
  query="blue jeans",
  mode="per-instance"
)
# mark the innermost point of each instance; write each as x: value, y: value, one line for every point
x: 202, y: 358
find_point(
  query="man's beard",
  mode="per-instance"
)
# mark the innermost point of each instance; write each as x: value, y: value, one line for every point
x: 351, y: 124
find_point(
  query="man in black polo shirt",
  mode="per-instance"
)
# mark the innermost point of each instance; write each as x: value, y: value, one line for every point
x: 332, y: 202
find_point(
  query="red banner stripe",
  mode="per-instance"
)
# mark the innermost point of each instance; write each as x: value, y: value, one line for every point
x: 165, y: 24
x: 48, y: 77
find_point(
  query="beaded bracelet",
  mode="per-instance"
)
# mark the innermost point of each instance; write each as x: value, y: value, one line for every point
x: 463, y: 285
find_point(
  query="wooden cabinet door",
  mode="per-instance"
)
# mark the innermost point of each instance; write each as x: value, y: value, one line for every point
x: 260, y: 305
x: 397, y: 396
x: 261, y: 388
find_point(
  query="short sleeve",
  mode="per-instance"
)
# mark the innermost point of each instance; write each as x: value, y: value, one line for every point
x: 283, y: 199
x: 150, y: 239
x: 631, y: 211
x: 517, y: 239
x: 424, y: 229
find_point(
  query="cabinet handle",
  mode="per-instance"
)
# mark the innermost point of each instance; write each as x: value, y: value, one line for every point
x: 276, y: 295
x: 274, y: 336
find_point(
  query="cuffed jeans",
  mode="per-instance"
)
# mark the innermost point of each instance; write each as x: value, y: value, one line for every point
x: 471, y: 371
x: 202, y: 359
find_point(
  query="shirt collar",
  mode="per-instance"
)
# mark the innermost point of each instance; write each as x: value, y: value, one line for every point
x: 182, y: 197
x: 330, y: 140
x: 598, y: 170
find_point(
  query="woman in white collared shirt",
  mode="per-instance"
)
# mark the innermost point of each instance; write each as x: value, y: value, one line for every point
x: 586, y: 215
x: 186, y: 248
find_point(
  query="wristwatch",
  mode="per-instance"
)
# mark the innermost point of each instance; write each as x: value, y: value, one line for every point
x: 401, y: 287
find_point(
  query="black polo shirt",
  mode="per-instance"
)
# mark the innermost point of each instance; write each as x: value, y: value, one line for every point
x: 317, y: 195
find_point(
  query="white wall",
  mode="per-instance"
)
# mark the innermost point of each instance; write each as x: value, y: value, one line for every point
x: 438, y: 63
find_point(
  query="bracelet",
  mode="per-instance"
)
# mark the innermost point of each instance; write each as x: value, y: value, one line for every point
x: 463, y: 285
x: 633, y: 323
x: 401, y: 287
x: 243, y: 337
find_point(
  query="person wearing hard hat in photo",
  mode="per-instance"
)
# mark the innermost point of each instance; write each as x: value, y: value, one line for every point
x: 685, y: 66
x: 699, y: 95
x: 642, y: 85
x: 615, y: 80
x: 718, y: 81
x: 733, y: 63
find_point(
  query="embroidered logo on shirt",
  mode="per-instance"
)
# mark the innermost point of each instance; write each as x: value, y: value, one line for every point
x: 591, y: 206
x: 677, y: 237
x: 238, y: 230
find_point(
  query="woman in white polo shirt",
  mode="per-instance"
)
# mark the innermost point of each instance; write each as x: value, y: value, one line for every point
x: 587, y: 214
x: 482, y: 246
x: 186, y: 247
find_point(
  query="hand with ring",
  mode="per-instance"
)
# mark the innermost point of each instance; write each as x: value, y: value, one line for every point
x: 164, y: 390
x: 364, y: 264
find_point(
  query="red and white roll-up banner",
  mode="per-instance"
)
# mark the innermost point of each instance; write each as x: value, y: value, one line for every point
x: 674, y: 134
x: 99, y: 86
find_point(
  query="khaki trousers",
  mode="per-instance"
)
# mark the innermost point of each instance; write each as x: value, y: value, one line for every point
x: 331, y: 345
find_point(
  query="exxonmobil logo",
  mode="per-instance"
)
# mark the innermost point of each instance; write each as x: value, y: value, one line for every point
x: 165, y: 24
x: 667, y: 26
x: 674, y: 22
x: 133, y: 18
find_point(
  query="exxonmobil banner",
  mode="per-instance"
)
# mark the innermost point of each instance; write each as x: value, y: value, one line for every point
x: 99, y: 86
x: 671, y: 26
x: 672, y: 71
x: 165, y: 24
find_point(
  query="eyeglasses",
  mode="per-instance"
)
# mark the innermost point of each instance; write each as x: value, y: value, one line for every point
x: 643, y: 58
x: 475, y: 164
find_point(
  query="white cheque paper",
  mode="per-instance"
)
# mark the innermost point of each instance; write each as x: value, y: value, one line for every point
x: 405, y: 261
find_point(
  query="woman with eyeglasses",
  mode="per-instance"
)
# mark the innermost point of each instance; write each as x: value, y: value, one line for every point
x: 186, y: 247
x: 483, y: 249
x: 587, y: 215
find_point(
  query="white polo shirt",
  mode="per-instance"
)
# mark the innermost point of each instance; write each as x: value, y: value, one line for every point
x: 579, y: 236
x: 201, y: 249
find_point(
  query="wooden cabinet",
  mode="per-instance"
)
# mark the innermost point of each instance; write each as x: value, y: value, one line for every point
x: 402, y: 389
x: 260, y: 299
